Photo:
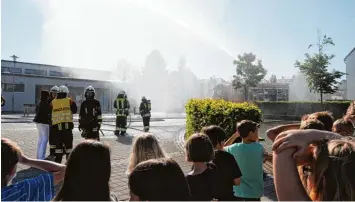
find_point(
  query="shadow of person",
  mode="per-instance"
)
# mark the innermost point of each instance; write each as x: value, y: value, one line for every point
x: 127, y: 139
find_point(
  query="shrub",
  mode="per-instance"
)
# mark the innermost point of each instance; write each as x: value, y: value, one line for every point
x: 200, y: 113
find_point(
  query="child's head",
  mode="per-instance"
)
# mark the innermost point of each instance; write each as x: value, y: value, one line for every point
x: 325, y: 117
x: 88, y: 172
x: 216, y: 135
x: 10, y: 153
x: 199, y: 148
x: 343, y: 127
x: 158, y: 180
x: 145, y: 147
x: 312, y: 124
x: 248, y: 130
x: 330, y: 175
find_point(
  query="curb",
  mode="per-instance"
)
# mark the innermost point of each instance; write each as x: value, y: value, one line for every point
x: 180, y: 138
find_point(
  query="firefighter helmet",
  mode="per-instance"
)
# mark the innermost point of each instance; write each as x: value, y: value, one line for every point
x: 63, y: 89
x: 54, y: 89
x: 144, y: 98
x: 89, y: 92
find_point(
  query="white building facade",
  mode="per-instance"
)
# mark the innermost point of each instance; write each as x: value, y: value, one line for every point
x: 22, y: 82
x: 350, y: 77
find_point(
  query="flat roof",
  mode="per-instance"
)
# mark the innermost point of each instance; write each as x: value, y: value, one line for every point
x: 55, y: 77
x: 30, y: 63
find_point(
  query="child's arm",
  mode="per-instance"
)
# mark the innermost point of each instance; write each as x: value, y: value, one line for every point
x: 57, y: 169
x: 273, y: 132
x: 231, y: 139
x: 267, y: 157
x: 42, y: 164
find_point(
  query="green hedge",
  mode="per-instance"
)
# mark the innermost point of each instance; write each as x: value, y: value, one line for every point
x: 200, y: 113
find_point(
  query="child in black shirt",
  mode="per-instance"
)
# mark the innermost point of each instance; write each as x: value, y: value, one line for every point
x: 202, y: 177
x: 228, y: 170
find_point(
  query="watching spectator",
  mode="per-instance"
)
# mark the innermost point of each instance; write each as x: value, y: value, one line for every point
x: 311, y: 124
x: 88, y: 174
x: 228, y: 171
x: 250, y: 156
x: 158, y: 180
x: 40, y: 188
x: 325, y: 117
x: 145, y: 147
x: 343, y: 127
x: 329, y: 173
x: 202, y: 177
x: 42, y: 121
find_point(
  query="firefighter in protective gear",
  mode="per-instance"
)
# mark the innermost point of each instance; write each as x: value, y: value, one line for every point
x: 122, y: 105
x: 90, y: 116
x: 62, y: 110
x: 52, y: 95
x: 144, y: 110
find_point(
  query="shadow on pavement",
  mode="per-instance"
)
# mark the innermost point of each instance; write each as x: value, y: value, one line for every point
x: 127, y: 139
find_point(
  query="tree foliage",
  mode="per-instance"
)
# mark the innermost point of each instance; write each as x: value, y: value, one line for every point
x: 315, y: 68
x: 273, y: 79
x: 249, y: 72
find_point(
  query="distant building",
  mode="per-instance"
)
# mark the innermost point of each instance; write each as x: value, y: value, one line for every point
x: 350, y: 77
x: 22, y: 82
x: 270, y: 92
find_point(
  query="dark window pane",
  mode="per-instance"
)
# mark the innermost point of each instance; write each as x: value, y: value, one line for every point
x: 5, y: 69
x: 36, y: 72
x: 30, y: 71
x: 16, y: 70
x: 8, y: 87
x: 54, y: 73
x: 19, y: 88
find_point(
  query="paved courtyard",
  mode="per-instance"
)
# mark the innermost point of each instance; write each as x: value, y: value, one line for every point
x: 169, y: 133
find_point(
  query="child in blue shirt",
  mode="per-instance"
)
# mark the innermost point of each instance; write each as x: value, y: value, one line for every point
x: 40, y: 188
x: 249, y: 155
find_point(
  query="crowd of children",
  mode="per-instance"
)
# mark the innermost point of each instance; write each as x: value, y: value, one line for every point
x: 312, y: 160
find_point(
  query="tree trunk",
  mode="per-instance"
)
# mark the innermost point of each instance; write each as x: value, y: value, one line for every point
x: 246, y: 93
x: 321, y: 97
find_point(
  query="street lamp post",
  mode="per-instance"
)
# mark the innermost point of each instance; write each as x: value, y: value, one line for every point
x: 14, y: 58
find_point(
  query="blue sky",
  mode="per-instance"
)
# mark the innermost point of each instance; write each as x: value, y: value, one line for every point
x: 209, y: 33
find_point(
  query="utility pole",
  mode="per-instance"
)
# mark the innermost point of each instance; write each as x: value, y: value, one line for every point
x: 14, y: 58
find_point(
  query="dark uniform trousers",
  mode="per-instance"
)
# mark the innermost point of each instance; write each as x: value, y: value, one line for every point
x: 51, y: 142
x: 146, y: 121
x: 121, y: 124
x: 63, y: 137
x: 91, y: 133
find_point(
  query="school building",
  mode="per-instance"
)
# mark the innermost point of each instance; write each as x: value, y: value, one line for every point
x: 22, y: 82
x: 350, y: 77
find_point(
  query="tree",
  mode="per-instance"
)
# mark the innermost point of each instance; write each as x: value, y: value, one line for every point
x: 315, y: 65
x: 273, y: 79
x: 249, y: 72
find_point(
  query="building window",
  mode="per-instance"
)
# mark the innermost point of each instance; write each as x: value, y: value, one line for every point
x: 54, y: 73
x: 7, y: 87
x: 11, y: 70
x: 36, y: 72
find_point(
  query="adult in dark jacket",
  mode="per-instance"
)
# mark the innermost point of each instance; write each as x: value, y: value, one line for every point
x: 42, y: 122
x: 62, y: 110
x: 90, y: 115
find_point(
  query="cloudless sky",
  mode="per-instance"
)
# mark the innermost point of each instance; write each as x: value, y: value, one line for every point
x: 209, y: 33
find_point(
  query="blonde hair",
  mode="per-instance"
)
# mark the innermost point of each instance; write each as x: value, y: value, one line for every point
x: 145, y: 147
x: 333, y: 171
